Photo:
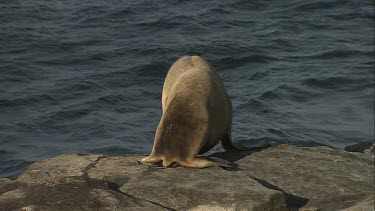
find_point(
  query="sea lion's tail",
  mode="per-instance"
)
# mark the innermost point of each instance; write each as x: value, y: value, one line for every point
x: 239, y: 148
x: 228, y: 145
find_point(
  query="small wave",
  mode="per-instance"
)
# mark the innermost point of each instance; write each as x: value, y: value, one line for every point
x: 253, y: 105
x: 342, y: 53
x: 65, y: 115
x: 121, y: 14
x: 282, y: 95
x: 83, y: 86
x: 332, y: 54
x: 237, y: 61
x: 306, y: 6
x: 350, y: 15
x: 118, y: 78
x: 258, y: 75
x: 269, y: 95
x: 247, y: 5
x: 28, y: 100
x: 296, y: 93
x: 155, y: 69
x: 339, y: 83
x: 13, y: 168
x: 283, y: 92
x: 277, y: 132
x: 76, y: 91
x: 118, y: 102
x: 218, y: 10
x: 157, y: 24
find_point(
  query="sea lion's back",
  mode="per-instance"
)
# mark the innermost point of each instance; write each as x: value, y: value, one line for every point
x: 183, y: 66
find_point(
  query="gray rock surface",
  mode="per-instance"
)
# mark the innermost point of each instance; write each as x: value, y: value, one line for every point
x: 318, y: 176
x: 365, y: 204
x: 281, y: 178
x: 365, y: 147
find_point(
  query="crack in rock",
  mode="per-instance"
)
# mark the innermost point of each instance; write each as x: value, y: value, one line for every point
x: 112, y: 185
x: 116, y: 187
x: 292, y: 201
x: 90, y: 166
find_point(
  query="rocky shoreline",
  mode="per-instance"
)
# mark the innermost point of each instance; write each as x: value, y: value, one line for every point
x: 279, y: 178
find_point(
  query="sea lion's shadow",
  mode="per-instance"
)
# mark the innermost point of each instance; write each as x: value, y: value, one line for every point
x: 230, y: 157
x: 294, y: 202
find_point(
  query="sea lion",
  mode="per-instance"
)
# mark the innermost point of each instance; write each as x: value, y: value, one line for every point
x: 197, y: 114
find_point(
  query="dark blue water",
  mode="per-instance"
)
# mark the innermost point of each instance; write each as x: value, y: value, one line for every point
x: 86, y: 76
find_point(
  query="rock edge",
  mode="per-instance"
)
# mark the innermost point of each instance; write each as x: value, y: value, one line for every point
x: 280, y: 178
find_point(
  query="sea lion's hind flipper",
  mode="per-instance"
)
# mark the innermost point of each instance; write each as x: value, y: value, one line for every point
x: 157, y: 159
x: 152, y: 159
x: 198, y: 162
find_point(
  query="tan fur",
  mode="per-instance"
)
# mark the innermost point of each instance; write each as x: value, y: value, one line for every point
x: 197, y: 114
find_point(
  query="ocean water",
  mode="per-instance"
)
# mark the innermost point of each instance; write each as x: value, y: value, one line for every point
x: 86, y: 76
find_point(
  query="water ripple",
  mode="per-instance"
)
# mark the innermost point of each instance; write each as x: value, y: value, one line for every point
x: 87, y: 76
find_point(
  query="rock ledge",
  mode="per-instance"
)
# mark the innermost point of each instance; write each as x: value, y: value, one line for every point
x: 281, y: 178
